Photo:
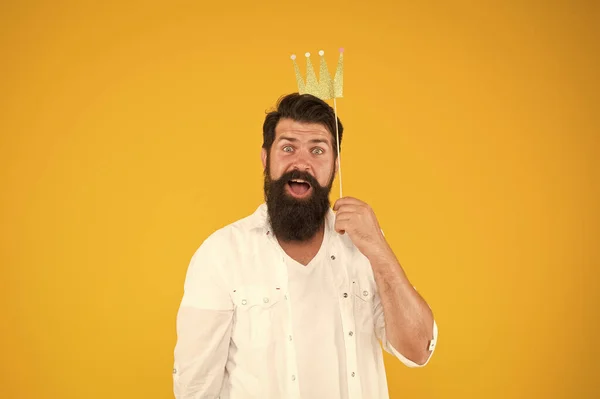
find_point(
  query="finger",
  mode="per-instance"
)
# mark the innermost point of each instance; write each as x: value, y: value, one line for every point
x: 344, y: 216
x: 337, y: 204
x: 355, y: 201
x: 341, y: 225
x: 347, y: 201
x: 351, y: 208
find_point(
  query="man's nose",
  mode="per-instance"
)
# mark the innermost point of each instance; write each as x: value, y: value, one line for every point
x: 302, y: 167
x: 301, y: 162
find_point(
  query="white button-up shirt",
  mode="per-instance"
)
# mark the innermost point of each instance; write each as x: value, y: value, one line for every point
x: 254, y: 323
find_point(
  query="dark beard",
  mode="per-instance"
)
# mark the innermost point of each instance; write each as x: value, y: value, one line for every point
x: 294, y: 219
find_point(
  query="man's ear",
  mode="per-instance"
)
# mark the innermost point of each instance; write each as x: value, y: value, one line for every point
x: 263, y: 157
x: 336, y: 169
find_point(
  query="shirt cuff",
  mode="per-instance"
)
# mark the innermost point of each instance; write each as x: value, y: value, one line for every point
x: 408, y: 362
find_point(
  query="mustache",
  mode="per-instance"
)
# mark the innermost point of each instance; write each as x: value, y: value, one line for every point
x: 298, y: 174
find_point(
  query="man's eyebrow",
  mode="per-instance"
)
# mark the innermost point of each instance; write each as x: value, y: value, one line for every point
x: 288, y: 138
x: 293, y: 140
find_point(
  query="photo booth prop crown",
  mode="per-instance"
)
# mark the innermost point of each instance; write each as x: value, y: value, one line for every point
x: 324, y: 88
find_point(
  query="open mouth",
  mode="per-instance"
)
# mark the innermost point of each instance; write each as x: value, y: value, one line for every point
x: 298, y: 187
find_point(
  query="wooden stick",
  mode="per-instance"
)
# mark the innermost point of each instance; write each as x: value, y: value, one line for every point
x: 337, y: 135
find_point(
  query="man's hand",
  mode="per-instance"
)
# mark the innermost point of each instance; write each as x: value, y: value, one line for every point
x: 357, y: 219
x: 408, y: 319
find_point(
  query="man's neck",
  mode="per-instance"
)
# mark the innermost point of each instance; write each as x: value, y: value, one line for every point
x: 304, y: 251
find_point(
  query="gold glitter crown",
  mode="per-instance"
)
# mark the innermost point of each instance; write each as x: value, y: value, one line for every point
x: 325, y: 88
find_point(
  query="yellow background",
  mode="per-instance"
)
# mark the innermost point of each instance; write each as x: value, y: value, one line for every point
x: 130, y: 132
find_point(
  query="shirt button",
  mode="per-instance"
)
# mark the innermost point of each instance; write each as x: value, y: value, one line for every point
x: 365, y: 293
x: 266, y: 300
x: 290, y: 337
x: 332, y: 257
x: 244, y: 301
x: 293, y: 378
x: 350, y: 333
x: 353, y: 374
x: 285, y: 296
x: 345, y: 295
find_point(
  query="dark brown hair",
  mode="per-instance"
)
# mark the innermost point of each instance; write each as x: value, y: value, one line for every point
x: 301, y: 108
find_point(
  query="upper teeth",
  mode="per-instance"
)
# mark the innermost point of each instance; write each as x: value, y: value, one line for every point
x: 298, y: 181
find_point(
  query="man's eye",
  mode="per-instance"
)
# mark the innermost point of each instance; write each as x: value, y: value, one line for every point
x: 287, y: 148
x: 317, y: 151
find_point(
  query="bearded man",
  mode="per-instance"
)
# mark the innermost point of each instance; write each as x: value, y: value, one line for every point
x: 294, y: 300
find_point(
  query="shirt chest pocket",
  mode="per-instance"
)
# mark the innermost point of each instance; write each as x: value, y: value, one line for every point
x: 258, y: 316
x: 363, y: 295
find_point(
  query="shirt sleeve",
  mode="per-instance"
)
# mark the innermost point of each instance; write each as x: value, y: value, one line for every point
x: 204, y: 323
x: 387, y: 346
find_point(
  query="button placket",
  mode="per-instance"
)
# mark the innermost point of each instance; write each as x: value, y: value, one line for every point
x: 291, y: 361
x: 352, y: 360
x: 344, y: 275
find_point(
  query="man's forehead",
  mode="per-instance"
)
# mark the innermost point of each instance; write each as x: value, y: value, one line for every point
x: 289, y: 126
